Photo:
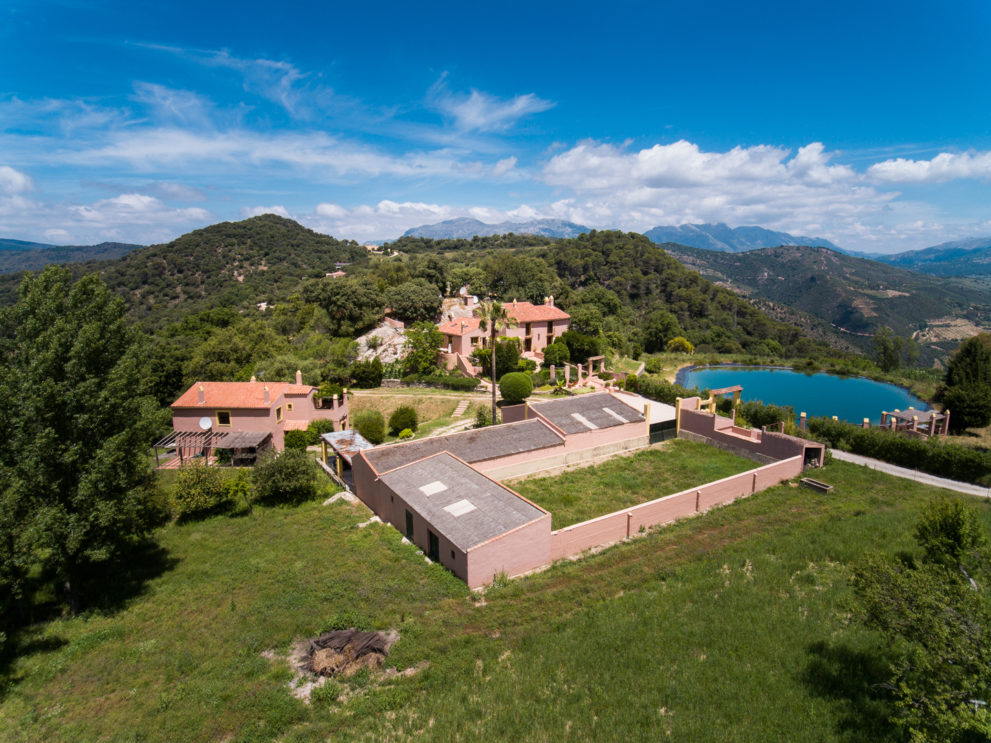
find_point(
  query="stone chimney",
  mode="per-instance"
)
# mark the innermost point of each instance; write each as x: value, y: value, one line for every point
x: 299, y: 377
x: 550, y: 300
x: 268, y: 397
x: 514, y: 304
x: 252, y: 380
x: 200, y: 395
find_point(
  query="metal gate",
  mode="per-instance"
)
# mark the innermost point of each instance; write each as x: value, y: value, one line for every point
x: 663, y: 431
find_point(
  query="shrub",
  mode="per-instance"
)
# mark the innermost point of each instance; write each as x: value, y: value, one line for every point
x: 450, y: 382
x: 370, y: 424
x: 317, y: 427
x: 406, y: 433
x: 287, y: 477
x: 296, y: 440
x: 403, y: 417
x: 199, y: 491
x: 653, y: 365
x: 556, y: 353
x: 680, y: 344
x: 659, y: 389
x: 367, y: 374
x: 581, y: 346
x: 515, y: 387
x: 757, y: 414
x: 526, y: 365
x: 483, y: 418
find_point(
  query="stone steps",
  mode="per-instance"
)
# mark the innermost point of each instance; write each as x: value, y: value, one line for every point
x: 462, y: 407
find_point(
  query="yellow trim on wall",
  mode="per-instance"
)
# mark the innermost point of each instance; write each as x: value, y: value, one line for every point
x: 288, y: 407
x: 221, y: 423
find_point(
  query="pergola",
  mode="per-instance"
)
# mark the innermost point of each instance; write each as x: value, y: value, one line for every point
x: 924, y: 423
x: 244, y: 445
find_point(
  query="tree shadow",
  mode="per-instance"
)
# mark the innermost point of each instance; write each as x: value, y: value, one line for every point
x: 851, y: 678
x: 21, y: 644
x: 125, y: 579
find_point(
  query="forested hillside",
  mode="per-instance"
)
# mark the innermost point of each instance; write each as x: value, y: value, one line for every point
x: 20, y: 256
x: 231, y: 264
x: 855, y: 295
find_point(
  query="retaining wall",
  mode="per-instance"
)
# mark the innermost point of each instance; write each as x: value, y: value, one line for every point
x: 613, y: 527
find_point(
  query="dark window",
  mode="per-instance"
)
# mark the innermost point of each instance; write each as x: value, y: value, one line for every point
x: 433, y: 546
x: 409, y: 526
x: 452, y: 554
x: 223, y: 418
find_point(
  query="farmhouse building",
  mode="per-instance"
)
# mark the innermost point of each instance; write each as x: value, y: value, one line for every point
x: 537, y: 326
x: 247, y: 416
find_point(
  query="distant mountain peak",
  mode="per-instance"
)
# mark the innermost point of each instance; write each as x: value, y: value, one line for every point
x: 722, y: 237
x: 467, y: 228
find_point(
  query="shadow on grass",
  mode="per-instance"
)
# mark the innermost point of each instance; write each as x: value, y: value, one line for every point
x: 120, y: 582
x: 851, y: 677
x: 22, y: 645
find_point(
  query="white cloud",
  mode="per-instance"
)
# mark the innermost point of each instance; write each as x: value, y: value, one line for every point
x: 944, y: 167
x: 14, y: 181
x: 615, y: 186
x: 257, y: 211
x: 504, y: 166
x: 479, y: 111
x: 58, y: 236
x: 135, y: 208
x: 168, y: 104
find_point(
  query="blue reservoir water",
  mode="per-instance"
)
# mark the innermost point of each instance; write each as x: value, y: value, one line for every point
x: 848, y: 398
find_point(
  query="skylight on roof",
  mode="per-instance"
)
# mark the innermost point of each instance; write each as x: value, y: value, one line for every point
x: 584, y: 421
x: 432, y: 488
x: 615, y: 415
x: 460, y: 508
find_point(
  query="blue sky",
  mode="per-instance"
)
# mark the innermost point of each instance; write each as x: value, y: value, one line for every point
x: 865, y: 123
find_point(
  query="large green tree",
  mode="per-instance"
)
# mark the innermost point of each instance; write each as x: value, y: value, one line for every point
x: 934, y: 611
x: 967, y: 392
x: 423, y: 342
x: 414, y: 301
x: 77, y: 424
x: 353, y: 305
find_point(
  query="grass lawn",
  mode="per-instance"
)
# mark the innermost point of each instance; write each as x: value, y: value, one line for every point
x: 731, y: 626
x: 583, y: 494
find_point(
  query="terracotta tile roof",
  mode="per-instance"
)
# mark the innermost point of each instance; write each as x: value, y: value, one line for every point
x: 455, y: 327
x: 298, y: 389
x: 233, y: 394
x: 526, y: 312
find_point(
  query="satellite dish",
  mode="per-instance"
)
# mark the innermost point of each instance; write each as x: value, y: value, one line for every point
x: 205, y: 423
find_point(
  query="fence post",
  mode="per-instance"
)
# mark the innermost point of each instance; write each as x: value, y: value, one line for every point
x: 698, y: 499
x: 629, y: 524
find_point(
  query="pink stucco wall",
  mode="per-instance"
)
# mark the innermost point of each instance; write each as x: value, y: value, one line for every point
x: 525, y: 548
x: 768, y: 444
x: 574, y: 539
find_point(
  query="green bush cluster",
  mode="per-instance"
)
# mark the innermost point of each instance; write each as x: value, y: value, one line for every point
x: 370, y: 424
x: 287, y: 477
x: 200, y: 491
x: 449, y: 382
x: 932, y: 456
x: 296, y: 440
x: 757, y: 414
x: 657, y: 388
x: 403, y: 417
x: 317, y: 427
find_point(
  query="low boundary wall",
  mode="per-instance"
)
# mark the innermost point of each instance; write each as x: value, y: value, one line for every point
x: 614, y: 527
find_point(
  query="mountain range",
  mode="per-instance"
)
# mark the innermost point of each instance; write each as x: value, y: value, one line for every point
x: 728, y: 239
x: 969, y: 257
x: 19, y: 255
x: 856, y: 296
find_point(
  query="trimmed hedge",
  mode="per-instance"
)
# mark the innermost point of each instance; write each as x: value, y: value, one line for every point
x: 515, y: 387
x: 932, y: 456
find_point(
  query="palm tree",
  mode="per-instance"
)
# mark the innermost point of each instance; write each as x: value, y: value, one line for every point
x: 493, y: 317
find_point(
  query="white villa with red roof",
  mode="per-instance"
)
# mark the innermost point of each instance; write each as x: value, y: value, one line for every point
x: 265, y: 409
x: 537, y: 326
